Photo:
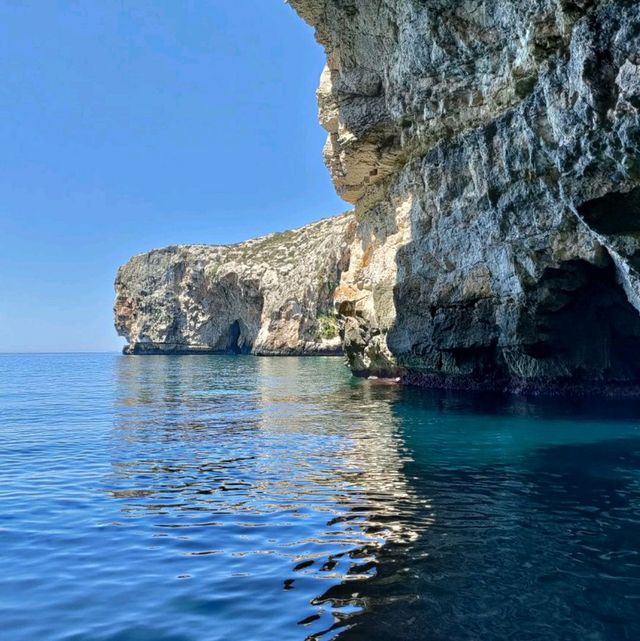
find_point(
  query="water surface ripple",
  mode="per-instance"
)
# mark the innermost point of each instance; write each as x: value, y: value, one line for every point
x: 221, y: 498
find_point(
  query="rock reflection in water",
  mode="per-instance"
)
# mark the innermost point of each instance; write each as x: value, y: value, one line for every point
x: 218, y: 498
x: 285, y: 478
x: 536, y: 509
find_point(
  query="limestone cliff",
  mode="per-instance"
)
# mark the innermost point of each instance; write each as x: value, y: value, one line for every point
x: 491, y: 148
x: 271, y: 295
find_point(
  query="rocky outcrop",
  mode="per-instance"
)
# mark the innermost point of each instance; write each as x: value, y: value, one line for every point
x: 492, y: 151
x: 272, y: 295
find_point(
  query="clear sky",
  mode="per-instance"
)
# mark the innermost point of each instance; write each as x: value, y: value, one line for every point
x: 128, y: 125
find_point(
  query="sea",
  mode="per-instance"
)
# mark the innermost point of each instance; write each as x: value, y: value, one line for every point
x: 238, y: 498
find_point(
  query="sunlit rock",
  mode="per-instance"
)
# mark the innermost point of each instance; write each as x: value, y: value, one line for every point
x: 271, y: 295
x: 491, y: 149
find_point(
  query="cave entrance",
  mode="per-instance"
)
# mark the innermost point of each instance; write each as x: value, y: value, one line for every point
x: 579, y: 316
x: 617, y: 217
x: 613, y: 214
x: 236, y: 343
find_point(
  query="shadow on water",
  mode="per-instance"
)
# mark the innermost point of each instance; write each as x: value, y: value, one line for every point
x: 535, y: 523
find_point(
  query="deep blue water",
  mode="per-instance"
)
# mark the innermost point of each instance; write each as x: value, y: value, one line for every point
x: 238, y: 498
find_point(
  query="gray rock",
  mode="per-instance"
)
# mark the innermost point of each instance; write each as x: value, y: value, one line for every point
x: 491, y: 148
x: 492, y: 151
x: 272, y: 295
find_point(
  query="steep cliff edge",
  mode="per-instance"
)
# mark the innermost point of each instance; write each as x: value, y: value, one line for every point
x: 491, y: 148
x: 271, y: 295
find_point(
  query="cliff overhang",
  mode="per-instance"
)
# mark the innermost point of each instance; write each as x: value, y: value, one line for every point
x: 491, y: 151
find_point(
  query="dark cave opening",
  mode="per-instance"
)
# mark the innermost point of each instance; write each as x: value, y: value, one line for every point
x: 578, y: 315
x: 235, y: 340
x: 614, y: 213
x: 617, y: 216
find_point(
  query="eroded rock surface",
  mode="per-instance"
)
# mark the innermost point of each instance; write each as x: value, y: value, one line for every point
x: 492, y: 151
x: 491, y: 148
x: 272, y: 295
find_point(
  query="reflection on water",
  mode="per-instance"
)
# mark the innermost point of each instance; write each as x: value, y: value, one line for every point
x: 284, y: 467
x: 536, y: 526
x: 219, y: 498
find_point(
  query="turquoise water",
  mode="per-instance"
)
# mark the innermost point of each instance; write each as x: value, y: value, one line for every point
x: 221, y: 498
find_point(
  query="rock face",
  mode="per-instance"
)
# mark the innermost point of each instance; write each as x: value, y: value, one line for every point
x: 272, y: 295
x: 492, y: 151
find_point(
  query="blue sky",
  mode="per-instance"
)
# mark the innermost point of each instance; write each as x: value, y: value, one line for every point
x: 132, y: 125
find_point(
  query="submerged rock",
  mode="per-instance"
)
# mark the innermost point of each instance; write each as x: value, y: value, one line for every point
x: 492, y: 151
x: 271, y: 295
